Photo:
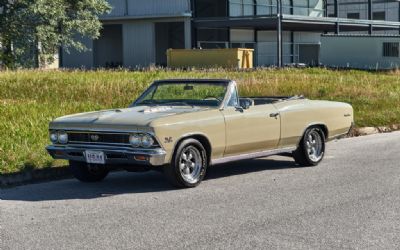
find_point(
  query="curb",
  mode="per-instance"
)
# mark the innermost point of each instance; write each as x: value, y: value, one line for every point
x: 355, y: 132
x: 34, y: 176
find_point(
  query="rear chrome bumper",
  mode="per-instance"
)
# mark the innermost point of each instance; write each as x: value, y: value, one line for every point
x: 113, y: 155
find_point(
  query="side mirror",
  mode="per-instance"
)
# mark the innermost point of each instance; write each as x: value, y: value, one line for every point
x: 246, y: 104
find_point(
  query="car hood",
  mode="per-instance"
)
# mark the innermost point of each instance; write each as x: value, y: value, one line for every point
x: 129, y: 118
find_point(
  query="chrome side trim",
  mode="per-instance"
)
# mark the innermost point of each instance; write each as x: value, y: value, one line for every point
x: 252, y: 155
x: 339, y: 136
x: 343, y: 135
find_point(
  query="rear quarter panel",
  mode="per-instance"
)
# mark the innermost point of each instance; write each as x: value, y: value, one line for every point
x: 298, y: 115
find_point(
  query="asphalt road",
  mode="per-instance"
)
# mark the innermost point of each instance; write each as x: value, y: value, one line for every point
x: 350, y: 201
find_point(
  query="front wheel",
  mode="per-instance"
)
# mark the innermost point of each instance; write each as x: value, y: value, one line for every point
x: 188, y: 166
x: 311, y: 149
x: 88, y: 172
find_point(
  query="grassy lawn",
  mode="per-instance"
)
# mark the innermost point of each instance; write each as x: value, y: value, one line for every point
x: 30, y: 99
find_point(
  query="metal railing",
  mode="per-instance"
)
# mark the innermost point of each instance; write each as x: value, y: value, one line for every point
x: 225, y: 45
x: 269, y: 7
x: 122, y: 8
x: 264, y: 52
x: 361, y: 8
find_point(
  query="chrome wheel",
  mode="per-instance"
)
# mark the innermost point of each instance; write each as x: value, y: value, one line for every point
x: 314, y: 146
x: 190, y: 164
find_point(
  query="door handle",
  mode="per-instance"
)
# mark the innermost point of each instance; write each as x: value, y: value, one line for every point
x: 274, y: 115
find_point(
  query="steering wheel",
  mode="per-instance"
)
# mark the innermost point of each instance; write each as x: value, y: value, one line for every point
x: 212, y: 97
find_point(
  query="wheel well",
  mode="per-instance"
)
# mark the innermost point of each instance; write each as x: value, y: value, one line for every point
x: 320, y: 126
x: 202, y: 139
x: 323, y: 128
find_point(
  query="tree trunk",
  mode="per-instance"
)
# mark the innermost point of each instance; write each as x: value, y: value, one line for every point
x: 7, y: 55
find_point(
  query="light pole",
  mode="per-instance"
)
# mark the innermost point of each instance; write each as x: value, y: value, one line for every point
x: 279, y: 34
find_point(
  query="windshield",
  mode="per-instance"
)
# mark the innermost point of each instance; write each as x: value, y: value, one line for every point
x: 184, y: 94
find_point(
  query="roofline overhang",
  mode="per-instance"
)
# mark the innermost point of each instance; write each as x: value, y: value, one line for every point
x: 341, y: 21
x: 299, y: 23
x: 146, y: 17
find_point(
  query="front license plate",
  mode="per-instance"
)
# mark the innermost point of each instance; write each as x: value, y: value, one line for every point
x: 95, y: 157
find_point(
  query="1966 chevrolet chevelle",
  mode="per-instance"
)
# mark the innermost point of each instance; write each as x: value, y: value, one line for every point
x: 181, y: 127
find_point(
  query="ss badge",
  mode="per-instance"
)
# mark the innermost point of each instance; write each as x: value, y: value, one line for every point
x: 168, y: 140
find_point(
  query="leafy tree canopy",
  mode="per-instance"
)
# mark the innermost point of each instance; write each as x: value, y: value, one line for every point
x: 40, y: 27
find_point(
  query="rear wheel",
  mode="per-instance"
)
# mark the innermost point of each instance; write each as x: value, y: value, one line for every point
x: 311, y: 149
x: 188, y: 166
x: 88, y: 172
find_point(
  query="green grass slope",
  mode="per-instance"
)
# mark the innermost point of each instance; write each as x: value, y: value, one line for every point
x: 29, y: 100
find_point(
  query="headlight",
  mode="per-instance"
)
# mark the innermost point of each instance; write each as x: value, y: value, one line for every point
x: 62, y: 137
x: 135, y: 140
x: 53, y: 137
x: 147, y: 141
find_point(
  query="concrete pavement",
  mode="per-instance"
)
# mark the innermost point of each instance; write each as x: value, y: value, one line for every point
x: 350, y: 201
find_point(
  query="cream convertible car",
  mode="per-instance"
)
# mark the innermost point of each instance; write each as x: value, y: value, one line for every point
x: 181, y: 127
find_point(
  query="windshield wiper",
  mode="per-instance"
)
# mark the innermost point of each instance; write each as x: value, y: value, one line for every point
x: 148, y: 103
x: 160, y: 103
x: 176, y: 103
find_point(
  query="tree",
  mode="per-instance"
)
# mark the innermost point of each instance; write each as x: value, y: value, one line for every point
x: 32, y: 28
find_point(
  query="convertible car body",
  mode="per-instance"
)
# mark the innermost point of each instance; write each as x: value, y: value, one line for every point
x: 181, y: 127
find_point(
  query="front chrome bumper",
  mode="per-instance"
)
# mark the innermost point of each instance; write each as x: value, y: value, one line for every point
x: 113, y: 155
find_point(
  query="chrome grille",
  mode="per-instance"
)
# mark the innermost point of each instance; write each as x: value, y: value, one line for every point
x: 98, y: 138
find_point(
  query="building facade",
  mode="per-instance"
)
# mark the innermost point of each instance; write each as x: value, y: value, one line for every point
x: 137, y: 33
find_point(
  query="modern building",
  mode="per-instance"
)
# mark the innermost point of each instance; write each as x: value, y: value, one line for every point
x: 137, y: 33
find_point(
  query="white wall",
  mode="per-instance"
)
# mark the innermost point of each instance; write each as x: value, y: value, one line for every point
x: 357, y: 52
x: 138, y: 44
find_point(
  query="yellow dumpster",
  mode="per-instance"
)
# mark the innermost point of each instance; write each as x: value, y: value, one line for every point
x: 210, y: 58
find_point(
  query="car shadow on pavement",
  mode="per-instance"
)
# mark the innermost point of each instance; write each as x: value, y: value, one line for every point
x: 248, y: 166
x: 127, y: 183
